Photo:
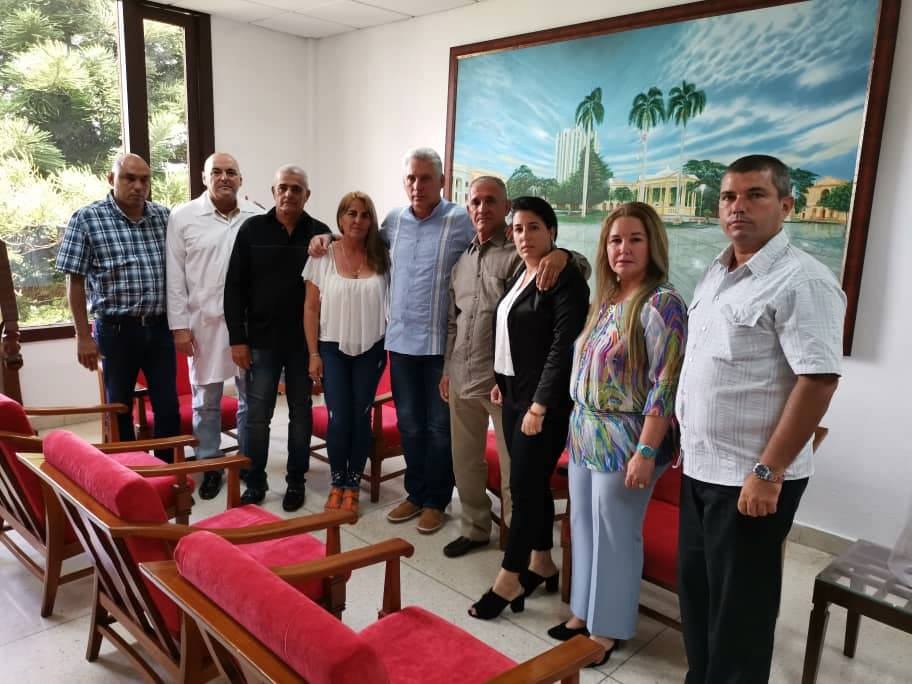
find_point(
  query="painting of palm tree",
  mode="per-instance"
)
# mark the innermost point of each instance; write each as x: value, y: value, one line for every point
x: 647, y: 112
x: 684, y: 103
x: 589, y: 113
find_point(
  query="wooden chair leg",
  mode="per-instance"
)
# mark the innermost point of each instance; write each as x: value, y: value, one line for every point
x: 193, y: 652
x: 53, y: 527
x: 99, y: 617
x: 376, y: 471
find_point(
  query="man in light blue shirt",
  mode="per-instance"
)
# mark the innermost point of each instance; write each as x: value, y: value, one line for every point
x: 425, y: 238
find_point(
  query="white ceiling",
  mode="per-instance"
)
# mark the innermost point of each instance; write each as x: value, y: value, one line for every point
x: 319, y: 18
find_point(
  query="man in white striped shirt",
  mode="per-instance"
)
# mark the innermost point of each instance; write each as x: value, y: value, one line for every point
x: 763, y: 359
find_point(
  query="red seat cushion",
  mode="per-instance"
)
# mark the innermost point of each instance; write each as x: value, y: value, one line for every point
x: 418, y: 646
x: 668, y: 488
x: 276, y: 552
x: 163, y: 485
x: 311, y: 641
x: 320, y: 422
x: 660, y: 542
x: 13, y: 419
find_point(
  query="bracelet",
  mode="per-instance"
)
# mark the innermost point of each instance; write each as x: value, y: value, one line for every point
x: 646, y: 451
x: 537, y: 415
x: 314, y: 354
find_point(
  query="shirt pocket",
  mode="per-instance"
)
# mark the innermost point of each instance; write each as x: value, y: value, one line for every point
x: 742, y: 335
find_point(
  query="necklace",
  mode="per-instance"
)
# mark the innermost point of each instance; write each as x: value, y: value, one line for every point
x: 356, y: 272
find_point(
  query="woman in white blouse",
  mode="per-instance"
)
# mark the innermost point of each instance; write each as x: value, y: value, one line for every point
x: 345, y: 309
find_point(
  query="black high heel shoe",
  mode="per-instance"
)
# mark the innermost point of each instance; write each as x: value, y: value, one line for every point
x: 530, y: 581
x: 491, y: 605
x: 563, y: 633
x: 608, y: 652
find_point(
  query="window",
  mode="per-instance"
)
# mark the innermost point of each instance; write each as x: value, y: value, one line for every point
x: 68, y: 68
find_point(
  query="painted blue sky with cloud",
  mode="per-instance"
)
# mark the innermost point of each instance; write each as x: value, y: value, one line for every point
x: 788, y: 81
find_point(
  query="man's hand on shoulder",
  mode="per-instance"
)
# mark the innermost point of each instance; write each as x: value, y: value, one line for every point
x: 758, y: 497
x: 319, y: 244
x: 550, y: 268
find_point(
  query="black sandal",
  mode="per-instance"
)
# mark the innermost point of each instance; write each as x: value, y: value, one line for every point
x: 563, y: 633
x: 492, y: 605
x: 530, y: 581
x: 608, y: 652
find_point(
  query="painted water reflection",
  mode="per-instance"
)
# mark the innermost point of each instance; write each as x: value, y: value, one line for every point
x: 692, y: 247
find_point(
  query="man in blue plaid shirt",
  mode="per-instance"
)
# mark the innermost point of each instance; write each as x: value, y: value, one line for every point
x: 114, y: 251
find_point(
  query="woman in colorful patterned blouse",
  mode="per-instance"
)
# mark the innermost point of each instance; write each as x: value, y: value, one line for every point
x: 623, y: 384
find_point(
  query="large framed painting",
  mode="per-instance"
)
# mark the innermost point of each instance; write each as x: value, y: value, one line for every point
x: 653, y: 106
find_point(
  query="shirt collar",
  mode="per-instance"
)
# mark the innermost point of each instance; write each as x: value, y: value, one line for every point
x: 761, y: 262
x: 206, y: 207
x: 114, y: 206
x: 441, y: 207
x: 497, y: 239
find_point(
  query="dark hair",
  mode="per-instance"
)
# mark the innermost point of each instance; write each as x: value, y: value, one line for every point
x: 539, y: 207
x: 376, y: 252
x: 764, y: 162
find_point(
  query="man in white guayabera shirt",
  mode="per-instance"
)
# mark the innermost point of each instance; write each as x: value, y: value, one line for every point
x: 764, y: 355
x: 199, y: 240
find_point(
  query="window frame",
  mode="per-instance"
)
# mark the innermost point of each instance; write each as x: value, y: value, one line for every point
x: 134, y: 105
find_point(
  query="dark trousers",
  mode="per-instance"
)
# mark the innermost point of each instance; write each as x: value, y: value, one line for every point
x: 262, y: 390
x: 730, y: 581
x: 349, y: 386
x: 424, y: 425
x: 532, y: 462
x: 129, y: 345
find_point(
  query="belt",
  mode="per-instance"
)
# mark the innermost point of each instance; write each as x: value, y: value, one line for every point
x: 146, y: 320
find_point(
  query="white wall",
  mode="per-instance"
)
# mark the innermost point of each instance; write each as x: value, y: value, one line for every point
x: 263, y: 98
x: 383, y: 90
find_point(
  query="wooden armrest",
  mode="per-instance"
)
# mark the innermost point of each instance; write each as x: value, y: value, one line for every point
x: 26, y: 444
x: 340, y: 563
x: 241, y: 535
x: 75, y: 410
x: 148, y: 444
x: 190, y: 467
x: 384, y: 398
x: 555, y: 664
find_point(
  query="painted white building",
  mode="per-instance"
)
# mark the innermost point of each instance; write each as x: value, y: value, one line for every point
x: 567, y: 147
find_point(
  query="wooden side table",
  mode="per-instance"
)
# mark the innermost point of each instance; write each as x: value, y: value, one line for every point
x: 859, y: 581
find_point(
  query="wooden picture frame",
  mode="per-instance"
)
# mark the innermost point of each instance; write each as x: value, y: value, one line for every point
x: 869, y: 86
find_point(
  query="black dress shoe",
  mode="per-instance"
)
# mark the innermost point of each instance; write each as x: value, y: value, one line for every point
x: 530, y: 581
x: 491, y: 605
x: 294, y: 497
x: 254, y: 494
x: 563, y: 633
x: 211, y: 486
x: 608, y: 652
x: 461, y: 546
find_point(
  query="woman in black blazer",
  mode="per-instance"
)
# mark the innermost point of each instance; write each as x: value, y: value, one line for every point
x: 533, y: 353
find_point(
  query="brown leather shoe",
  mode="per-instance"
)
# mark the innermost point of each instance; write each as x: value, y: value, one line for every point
x: 404, y: 511
x: 334, y: 500
x: 350, y: 500
x: 431, y: 520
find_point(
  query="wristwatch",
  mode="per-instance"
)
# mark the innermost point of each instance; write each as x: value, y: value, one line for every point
x: 765, y: 473
x: 646, y: 451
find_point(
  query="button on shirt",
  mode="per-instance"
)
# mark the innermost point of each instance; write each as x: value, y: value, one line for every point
x: 264, y: 292
x: 752, y: 331
x: 123, y: 262
x: 199, y: 246
x: 422, y: 255
x: 476, y: 285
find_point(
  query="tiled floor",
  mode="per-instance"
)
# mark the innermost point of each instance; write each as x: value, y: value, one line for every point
x: 33, y: 649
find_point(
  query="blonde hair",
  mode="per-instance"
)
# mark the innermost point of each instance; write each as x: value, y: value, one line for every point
x: 376, y: 253
x: 608, y: 287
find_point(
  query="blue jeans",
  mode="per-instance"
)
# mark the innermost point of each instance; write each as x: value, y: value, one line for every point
x: 207, y: 417
x: 129, y: 345
x: 349, y: 386
x: 424, y: 424
x: 262, y: 388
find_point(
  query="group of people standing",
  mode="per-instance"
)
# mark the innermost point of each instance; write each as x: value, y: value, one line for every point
x: 489, y: 323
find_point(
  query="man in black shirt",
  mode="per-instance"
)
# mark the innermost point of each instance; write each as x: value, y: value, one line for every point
x: 264, y: 305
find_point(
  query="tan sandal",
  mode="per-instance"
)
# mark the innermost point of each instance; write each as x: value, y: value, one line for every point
x: 350, y: 500
x: 334, y: 500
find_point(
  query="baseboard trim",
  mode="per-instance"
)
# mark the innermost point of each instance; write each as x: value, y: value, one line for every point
x: 819, y: 539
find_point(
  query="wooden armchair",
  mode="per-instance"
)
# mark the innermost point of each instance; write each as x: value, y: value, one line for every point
x: 119, y: 519
x: 38, y: 520
x: 268, y: 635
x: 387, y: 441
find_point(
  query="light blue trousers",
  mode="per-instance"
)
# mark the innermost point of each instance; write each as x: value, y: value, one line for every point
x: 207, y: 417
x: 606, y: 524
